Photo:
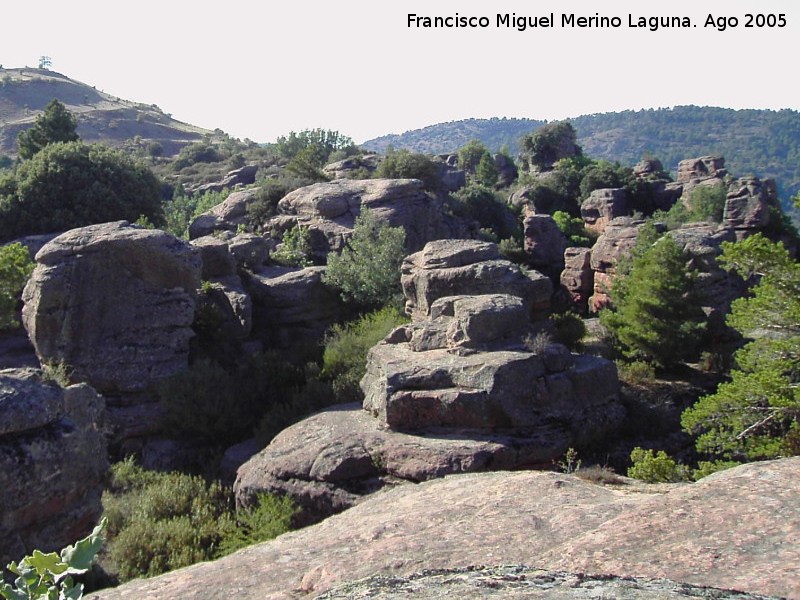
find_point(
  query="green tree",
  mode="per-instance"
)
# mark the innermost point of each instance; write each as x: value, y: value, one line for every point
x: 486, y: 171
x: 68, y: 185
x: 708, y: 202
x: 402, y: 164
x: 573, y: 228
x: 15, y: 268
x: 756, y: 415
x: 55, y: 124
x: 470, y: 154
x: 325, y: 140
x: 656, y: 316
x: 542, y: 148
x: 367, y: 272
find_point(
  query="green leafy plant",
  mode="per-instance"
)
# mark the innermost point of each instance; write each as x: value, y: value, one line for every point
x: 49, y: 576
x: 570, y: 463
x: 295, y: 250
x: 15, y: 268
x: 267, y: 519
x: 655, y: 467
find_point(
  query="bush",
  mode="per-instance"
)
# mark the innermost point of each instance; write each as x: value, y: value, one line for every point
x: 346, y: 346
x: 295, y: 248
x: 573, y: 229
x: 481, y: 204
x: 15, y: 268
x: 68, y: 185
x: 402, y: 164
x: 706, y: 468
x: 636, y: 373
x: 570, y: 329
x: 270, y: 517
x: 655, y: 468
x: 708, y: 202
x: 367, y: 272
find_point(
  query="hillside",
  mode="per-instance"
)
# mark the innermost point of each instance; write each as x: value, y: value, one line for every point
x: 101, y: 117
x: 762, y: 142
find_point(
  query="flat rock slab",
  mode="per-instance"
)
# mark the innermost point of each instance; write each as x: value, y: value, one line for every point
x: 509, y: 582
x: 332, y: 460
x: 734, y: 530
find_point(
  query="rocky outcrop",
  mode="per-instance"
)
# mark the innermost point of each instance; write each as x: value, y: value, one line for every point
x: 603, y: 206
x: 544, y: 243
x: 453, y: 267
x: 242, y: 176
x: 506, y: 170
x: 291, y: 305
x: 229, y: 215
x: 475, y: 363
x: 328, y: 211
x: 749, y: 205
x: 333, y: 460
x: 52, y: 463
x: 701, y: 168
x: 577, y: 278
x: 521, y: 582
x: 115, y: 302
x: 353, y: 167
x: 734, y: 530
x: 617, y: 241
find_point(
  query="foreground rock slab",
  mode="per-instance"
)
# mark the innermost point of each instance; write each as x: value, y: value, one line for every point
x: 734, y: 530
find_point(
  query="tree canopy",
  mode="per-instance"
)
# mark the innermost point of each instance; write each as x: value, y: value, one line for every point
x: 552, y: 142
x: 55, y: 124
x: 68, y: 185
x: 756, y: 415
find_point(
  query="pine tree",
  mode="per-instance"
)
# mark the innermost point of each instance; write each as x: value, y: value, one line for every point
x: 656, y: 315
x: 757, y: 414
x: 55, y: 124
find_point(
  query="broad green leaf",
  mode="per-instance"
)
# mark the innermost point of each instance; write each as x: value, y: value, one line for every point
x: 80, y: 556
x: 44, y: 563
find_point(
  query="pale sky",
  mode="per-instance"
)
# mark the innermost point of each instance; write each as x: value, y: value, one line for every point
x: 259, y: 69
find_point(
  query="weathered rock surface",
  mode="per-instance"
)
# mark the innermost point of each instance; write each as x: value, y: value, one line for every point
x: 453, y: 267
x: 603, y: 206
x: 52, y: 463
x: 617, y: 240
x: 336, y: 458
x: 734, y: 530
x: 329, y: 210
x: 115, y: 302
x: 242, y: 176
x: 701, y: 168
x: 577, y: 278
x: 226, y: 216
x: 749, y: 203
x: 291, y: 305
x: 524, y: 582
x: 351, y: 167
x: 544, y: 243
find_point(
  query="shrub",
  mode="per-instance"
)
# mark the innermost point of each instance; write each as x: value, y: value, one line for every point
x: 655, y: 467
x: 15, y: 268
x: 706, y: 468
x: 402, y: 164
x: 481, y: 204
x: 570, y: 329
x: 636, y: 373
x: 267, y: 519
x: 573, y: 229
x: 68, y: 185
x: 708, y: 202
x: 295, y: 249
x: 346, y: 347
x: 367, y: 272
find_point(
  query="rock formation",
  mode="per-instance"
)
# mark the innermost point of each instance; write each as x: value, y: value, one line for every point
x: 353, y: 167
x: 577, y: 278
x: 749, y: 205
x: 242, y: 176
x: 733, y: 530
x: 603, y: 206
x: 115, y: 302
x: 544, y: 243
x: 617, y: 241
x: 52, y: 463
x: 453, y: 267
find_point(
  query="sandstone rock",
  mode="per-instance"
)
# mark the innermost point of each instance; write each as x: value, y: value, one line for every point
x: 518, y: 582
x: 52, y: 463
x: 291, y: 305
x: 215, y: 256
x: 353, y: 167
x: 577, y: 278
x: 115, y: 302
x: 734, y: 530
x: 544, y: 243
x: 454, y: 267
x: 506, y: 170
x: 242, y: 176
x: 617, y: 240
x: 701, y: 168
x: 334, y: 459
x: 749, y: 203
x: 602, y: 206
x: 648, y: 168
x: 226, y: 216
x: 329, y: 210
x: 250, y: 251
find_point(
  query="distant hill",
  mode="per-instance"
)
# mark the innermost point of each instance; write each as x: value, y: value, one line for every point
x: 761, y: 142
x: 101, y: 117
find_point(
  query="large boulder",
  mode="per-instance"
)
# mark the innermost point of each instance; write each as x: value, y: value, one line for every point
x: 115, y: 302
x: 734, y: 530
x: 333, y: 460
x: 617, y: 240
x: 577, y: 278
x: 229, y: 215
x: 245, y: 175
x: 544, y: 243
x: 453, y: 267
x: 353, y: 167
x: 52, y: 463
x: 701, y: 168
x: 328, y: 211
x: 749, y: 205
x: 603, y: 206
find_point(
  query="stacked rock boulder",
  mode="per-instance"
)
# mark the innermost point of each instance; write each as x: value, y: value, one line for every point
x: 52, y: 463
x: 471, y: 384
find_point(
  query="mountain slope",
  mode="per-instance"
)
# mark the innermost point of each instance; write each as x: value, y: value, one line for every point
x: 101, y: 117
x: 761, y: 142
